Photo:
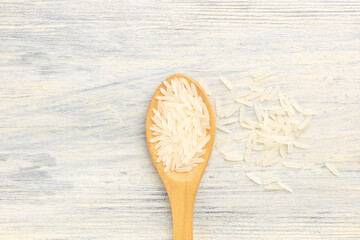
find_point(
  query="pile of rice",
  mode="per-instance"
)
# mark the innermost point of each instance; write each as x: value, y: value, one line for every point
x: 181, y: 121
x: 276, y: 127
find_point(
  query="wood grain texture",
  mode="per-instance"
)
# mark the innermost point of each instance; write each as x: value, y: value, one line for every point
x: 76, y: 78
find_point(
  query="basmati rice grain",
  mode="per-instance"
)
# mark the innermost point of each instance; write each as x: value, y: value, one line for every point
x: 273, y: 95
x: 254, y: 140
x: 253, y: 177
x: 332, y: 169
x: 265, y: 129
x: 285, y: 187
x: 235, y: 158
x: 272, y: 153
x: 253, y: 96
x: 225, y: 111
x: 273, y: 187
x: 241, y: 114
x: 304, y: 123
x: 257, y: 112
x: 245, y: 125
x: 282, y: 139
x: 256, y: 89
x: 259, y: 148
x: 173, y: 165
x: 301, y: 145
x: 222, y: 128
x: 270, y: 143
x: 206, y: 112
x: 242, y: 136
x: 281, y: 112
x: 294, y: 120
x: 261, y: 110
x: 290, y: 107
x: 282, y: 151
x: 226, y: 83
x: 265, y: 95
x: 250, y: 139
x: 167, y: 167
x: 281, y: 99
x: 290, y: 112
x: 243, y: 102
x: 263, y: 134
x: 227, y: 147
x: 272, y: 108
x: 266, y: 119
x: 251, y: 123
x: 310, y: 112
x: 270, y: 162
x: 220, y: 140
x: 282, y: 132
x: 276, y: 130
x: 155, y: 133
x: 288, y: 128
x: 275, y: 120
x: 261, y: 158
x: 197, y: 160
x: 228, y: 121
x: 194, y: 90
x: 262, y: 71
x: 232, y: 110
x: 204, y: 86
x: 271, y: 180
x: 261, y: 140
x: 290, y: 148
x: 243, y: 94
x: 261, y: 75
x: 281, y: 122
x: 217, y: 106
x: 292, y: 165
x: 298, y: 133
x: 296, y: 106
x: 247, y: 153
x: 261, y: 78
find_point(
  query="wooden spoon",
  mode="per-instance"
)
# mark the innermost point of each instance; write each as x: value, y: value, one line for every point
x: 182, y: 187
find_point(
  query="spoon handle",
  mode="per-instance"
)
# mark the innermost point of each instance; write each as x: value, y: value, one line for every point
x: 182, y: 198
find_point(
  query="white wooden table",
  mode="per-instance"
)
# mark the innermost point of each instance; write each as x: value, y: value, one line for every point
x: 75, y: 81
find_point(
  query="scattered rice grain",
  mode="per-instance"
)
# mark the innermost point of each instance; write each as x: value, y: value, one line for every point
x: 273, y: 187
x: 226, y: 83
x: 222, y: 128
x: 204, y: 86
x: 220, y: 140
x: 301, y: 145
x: 271, y: 180
x: 227, y: 147
x: 233, y: 158
x: 243, y: 102
x: 253, y: 177
x: 332, y: 169
x: 285, y: 187
x: 292, y: 165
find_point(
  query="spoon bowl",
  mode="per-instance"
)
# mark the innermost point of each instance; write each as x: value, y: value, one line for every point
x: 182, y: 186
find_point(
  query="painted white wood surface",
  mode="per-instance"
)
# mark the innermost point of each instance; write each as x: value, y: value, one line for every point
x: 75, y: 81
